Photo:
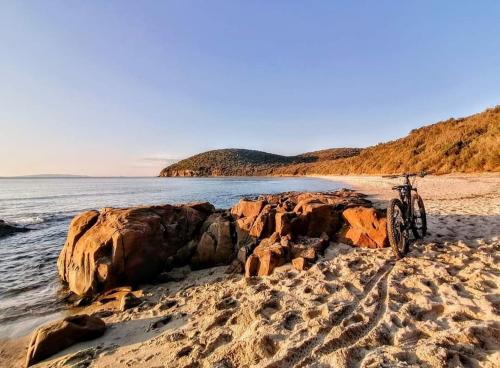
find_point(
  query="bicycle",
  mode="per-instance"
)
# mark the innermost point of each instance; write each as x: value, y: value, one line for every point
x: 404, y: 214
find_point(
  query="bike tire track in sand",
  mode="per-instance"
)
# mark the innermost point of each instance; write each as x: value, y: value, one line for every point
x: 300, y: 355
x: 352, y: 335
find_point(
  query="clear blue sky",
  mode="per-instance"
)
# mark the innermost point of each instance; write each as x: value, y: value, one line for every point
x: 118, y: 88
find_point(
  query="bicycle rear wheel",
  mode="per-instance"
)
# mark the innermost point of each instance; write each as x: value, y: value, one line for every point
x: 396, y: 231
x: 419, y: 223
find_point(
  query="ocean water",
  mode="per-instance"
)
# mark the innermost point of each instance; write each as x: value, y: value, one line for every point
x: 30, y: 291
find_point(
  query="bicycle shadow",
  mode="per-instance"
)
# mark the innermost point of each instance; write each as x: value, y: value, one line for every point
x: 462, y: 227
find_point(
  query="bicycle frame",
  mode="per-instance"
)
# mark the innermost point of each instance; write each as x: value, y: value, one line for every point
x: 404, y: 192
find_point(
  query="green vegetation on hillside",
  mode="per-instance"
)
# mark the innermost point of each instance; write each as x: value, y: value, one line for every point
x: 242, y: 162
x: 470, y: 144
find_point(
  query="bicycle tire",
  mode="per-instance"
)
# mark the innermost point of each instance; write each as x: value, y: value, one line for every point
x: 416, y: 199
x: 399, y: 244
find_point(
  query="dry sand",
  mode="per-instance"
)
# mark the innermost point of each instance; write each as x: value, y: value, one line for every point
x: 438, y: 307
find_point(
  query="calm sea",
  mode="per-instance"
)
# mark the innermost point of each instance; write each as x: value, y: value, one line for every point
x: 30, y: 292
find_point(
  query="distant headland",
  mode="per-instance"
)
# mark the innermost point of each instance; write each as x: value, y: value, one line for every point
x: 45, y: 176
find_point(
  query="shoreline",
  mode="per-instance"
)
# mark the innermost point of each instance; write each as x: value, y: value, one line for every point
x: 50, y: 225
x: 464, y: 214
x: 434, y: 187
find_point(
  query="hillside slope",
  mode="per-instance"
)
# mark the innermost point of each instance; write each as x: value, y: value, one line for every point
x: 470, y: 144
x: 243, y: 162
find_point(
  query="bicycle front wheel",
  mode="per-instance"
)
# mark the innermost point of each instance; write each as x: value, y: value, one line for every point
x: 396, y: 230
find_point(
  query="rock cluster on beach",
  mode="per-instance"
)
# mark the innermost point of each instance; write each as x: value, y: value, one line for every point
x: 296, y: 227
x: 127, y: 246
x: 114, y: 247
x: 109, y: 250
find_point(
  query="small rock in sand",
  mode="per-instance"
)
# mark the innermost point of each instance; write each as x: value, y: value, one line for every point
x: 128, y: 301
x: 56, y: 336
x: 300, y: 264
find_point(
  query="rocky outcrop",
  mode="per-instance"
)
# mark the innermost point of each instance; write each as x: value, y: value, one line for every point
x: 216, y: 245
x: 120, y: 298
x: 308, y: 248
x: 7, y: 229
x: 127, y: 246
x: 56, y: 336
x: 181, y: 173
x: 364, y: 227
x: 295, y: 214
x: 270, y: 253
x: 315, y: 218
x: 276, y: 251
x: 116, y: 247
x: 274, y: 229
x: 248, y: 208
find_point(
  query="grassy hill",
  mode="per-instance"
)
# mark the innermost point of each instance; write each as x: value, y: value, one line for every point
x: 243, y: 162
x: 470, y: 144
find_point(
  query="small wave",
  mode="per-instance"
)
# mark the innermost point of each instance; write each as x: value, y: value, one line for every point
x: 118, y: 193
x: 30, y: 220
x: 34, y: 220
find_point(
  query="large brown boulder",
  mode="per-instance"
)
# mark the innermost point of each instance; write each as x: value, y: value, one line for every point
x: 264, y: 223
x: 243, y: 226
x: 341, y: 199
x: 265, y: 263
x: 283, y: 222
x: 269, y: 254
x: 125, y: 246
x: 365, y: 227
x: 247, y: 208
x: 59, y: 335
x: 316, y: 218
x: 308, y: 248
x: 252, y: 266
x: 252, y: 220
x: 216, y: 243
x: 119, y: 298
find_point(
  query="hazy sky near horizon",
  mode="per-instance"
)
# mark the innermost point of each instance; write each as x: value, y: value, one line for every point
x: 121, y: 88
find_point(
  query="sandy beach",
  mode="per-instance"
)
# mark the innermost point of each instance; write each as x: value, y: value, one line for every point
x: 202, y: 185
x: 438, y: 307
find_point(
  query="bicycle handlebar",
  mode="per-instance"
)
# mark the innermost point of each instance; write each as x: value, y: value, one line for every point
x: 406, y: 175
